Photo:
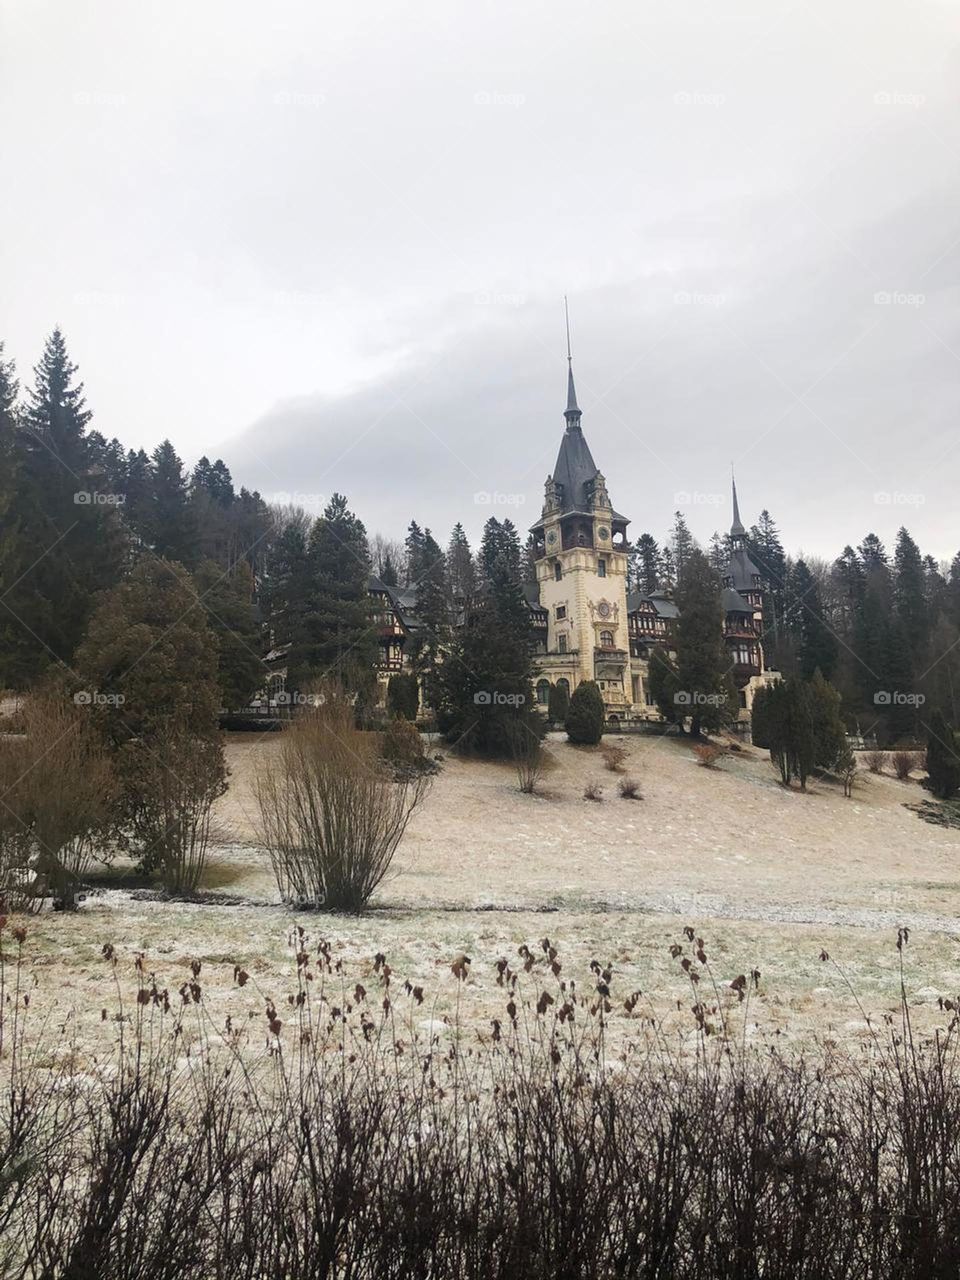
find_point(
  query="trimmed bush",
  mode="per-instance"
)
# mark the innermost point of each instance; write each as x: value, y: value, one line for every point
x: 403, y: 696
x: 584, y: 723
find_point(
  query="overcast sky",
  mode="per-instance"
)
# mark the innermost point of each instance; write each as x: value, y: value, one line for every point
x: 330, y: 243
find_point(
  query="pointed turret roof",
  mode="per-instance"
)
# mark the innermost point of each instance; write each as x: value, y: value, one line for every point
x: 737, y: 526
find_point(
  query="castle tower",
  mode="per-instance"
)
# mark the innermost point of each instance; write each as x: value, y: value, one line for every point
x: 581, y: 562
x: 742, y: 605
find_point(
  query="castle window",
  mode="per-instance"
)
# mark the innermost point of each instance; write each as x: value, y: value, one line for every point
x: 558, y: 570
x: 561, y: 611
x: 606, y: 639
x: 561, y: 644
x: 601, y: 568
x: 543, y: 692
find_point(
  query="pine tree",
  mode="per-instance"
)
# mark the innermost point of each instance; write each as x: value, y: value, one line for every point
x: 682, y: 543
x: 336, y: 638
x: 648, y: 565
x: 664, y: 685
x: 703, y: 665
x: 173, y: 523
x: 485, y: 683
x: 667, y: 571
x: 910, y: 591
x: 388, y: 570
x: 461, y: 573
x: 11, y: 634
x: 432, y: 638
x: 137, y: 511
x: 414, y: 548
x: 719, y: 552
x: 943, y: 759
x: 69, y: 539
x: 873, y: 554
x: 816, y: 646
x: 829, y: 731
x: 287, y: 580
x: 227, y: 598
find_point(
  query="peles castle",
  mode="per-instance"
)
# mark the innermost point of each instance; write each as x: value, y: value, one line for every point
x: 585, y: 624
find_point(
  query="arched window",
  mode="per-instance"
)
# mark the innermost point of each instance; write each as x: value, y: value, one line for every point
x: 564, y: 684
x: 543, y: 692
x: 606, y: 639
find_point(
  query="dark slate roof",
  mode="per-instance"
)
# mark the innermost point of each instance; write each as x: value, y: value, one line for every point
x: 733, y: 602
x: 663, y: 605
x: 741, y: 570
x: 575, y: 468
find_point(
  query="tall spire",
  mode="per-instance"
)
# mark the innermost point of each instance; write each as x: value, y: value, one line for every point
x: 572, y: 411
x: 737, y: 526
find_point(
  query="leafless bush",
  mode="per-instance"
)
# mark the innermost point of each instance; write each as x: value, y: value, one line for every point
x: 904, y: 763
x: 593, y: 791
x: 875, y: 760
x: 707, y: 754
x: 614, y: 757
x: 330, y: 816
x: 630, y: 789
x: 327, y: 1136
x: 57, y: 787
x: 182, y: 775
x: 528, y: 754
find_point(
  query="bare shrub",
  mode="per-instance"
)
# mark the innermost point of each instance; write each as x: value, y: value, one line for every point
x: 904, y: 763
x: 846, y: 767
x: 528, y: 754
x: 614, y: 757
x: 311, y: 1135
x: 630, y: 789
x: 57, y: 787
x: 707, y: 753
x: 402, y: 747
x: 182, y: 775
x: 593, y: 791
x: 875, y: 760
x: 330, y: 816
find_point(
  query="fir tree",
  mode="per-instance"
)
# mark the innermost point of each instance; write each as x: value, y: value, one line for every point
x: 943, y: 759
x: 173, y: 525
x: 648, y: 565
x: 227, y: 598
x: 816, y: 646
x: 664, y: 686
x: 69, y: 541
x: 558, y: 703
x: 432, y: 638
x: 873, y: 554
x: 703, y: 665
x: 682, y: 544
x: 910, y: 590
x: 388, y: 570
x: 336, y: 638
x: 485, y: 683
x: 414, y: 548
x: 461, y: 574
